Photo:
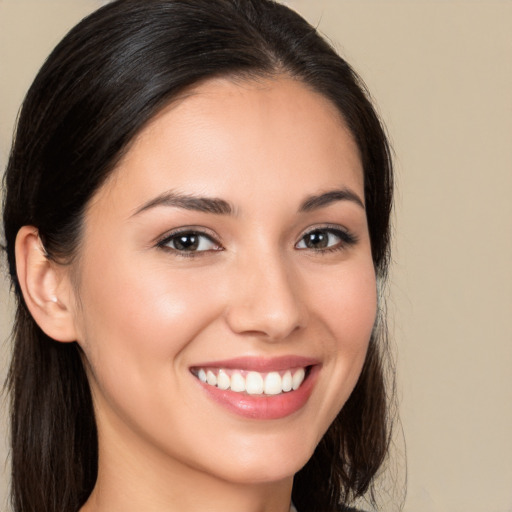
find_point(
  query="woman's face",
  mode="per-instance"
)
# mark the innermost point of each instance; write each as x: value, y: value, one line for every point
x: 230, y: 244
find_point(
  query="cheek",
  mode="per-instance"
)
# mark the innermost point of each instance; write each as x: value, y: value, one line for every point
x: 138, y: 323
x: 135, y: 315
x: 356, y: 314
x: 347, y: 303
x: 347, y: 310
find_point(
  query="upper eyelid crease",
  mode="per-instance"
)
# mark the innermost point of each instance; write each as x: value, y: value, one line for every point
x: 337, y: 228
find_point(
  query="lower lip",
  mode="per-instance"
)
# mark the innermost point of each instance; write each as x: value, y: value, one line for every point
x: 264, y: 407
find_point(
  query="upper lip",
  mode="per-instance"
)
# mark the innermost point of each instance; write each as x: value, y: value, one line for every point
x: 260, y: 364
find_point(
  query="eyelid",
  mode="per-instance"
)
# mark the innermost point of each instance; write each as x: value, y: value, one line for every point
x: 326, y: 227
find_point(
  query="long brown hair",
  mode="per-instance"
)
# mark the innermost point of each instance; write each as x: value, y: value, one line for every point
x: 102, y: 83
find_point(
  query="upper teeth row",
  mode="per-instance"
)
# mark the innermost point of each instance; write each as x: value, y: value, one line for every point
x: 253, y: 383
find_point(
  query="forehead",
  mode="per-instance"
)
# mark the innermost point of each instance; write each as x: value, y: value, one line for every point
x: 223, y: 136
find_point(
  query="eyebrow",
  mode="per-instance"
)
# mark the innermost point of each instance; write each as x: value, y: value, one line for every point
x: 222, y: 207
x: 189, y: 202
x: 320, y: 201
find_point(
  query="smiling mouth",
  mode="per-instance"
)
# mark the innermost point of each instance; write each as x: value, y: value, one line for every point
x: 253, y: 382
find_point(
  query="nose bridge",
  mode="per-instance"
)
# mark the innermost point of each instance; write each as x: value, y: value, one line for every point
x: 265, y: 298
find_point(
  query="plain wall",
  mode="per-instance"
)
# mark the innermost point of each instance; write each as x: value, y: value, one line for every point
x: 441, y: 74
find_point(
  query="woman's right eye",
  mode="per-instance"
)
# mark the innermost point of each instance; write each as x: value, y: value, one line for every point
x: 189, y: 242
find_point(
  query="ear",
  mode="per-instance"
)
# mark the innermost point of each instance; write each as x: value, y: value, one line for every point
x: 45, y: 285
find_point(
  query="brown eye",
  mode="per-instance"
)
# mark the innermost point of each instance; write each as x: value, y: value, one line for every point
x: 317, y: 240
x: 325, y: 239
x: 190, y: 241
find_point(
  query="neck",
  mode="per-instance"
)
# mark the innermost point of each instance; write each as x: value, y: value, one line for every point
x: 178, y: 496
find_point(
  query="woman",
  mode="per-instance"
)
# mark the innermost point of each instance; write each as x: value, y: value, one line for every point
x: 196, y: 221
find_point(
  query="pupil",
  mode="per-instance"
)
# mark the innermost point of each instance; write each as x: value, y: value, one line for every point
x: 186, y: 242
x: 317, y: 240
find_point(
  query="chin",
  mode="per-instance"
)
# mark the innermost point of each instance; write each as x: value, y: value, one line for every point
x: 264, y: 473
x: 267, y: 463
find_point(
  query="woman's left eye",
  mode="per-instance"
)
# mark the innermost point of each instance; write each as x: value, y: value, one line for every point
x: 189, y: 242
x: 323, y: 239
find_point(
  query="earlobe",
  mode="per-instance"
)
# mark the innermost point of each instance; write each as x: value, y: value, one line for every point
x: 45, y: 286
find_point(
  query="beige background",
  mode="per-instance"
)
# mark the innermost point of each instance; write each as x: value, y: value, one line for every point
x: 441, y: 73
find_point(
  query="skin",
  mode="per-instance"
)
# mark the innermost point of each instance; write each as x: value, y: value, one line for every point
x: 145, y: 314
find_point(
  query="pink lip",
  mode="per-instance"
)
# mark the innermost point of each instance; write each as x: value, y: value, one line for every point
x: 261, y: 364
x: 263, y: 407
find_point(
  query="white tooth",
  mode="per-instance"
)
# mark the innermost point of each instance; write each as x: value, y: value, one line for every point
x: 287, y: 381
x: 237, y: 382
x: 223, y: 380
x: 298, y: 377
x: 254, y: 383
x: 272, y: 384
x: 211, y: 378
x: 201, y: 375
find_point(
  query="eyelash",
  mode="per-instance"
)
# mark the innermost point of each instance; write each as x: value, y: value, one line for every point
x: 346, y: 239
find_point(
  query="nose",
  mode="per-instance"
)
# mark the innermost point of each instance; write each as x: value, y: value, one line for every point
x: 266, y: 299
